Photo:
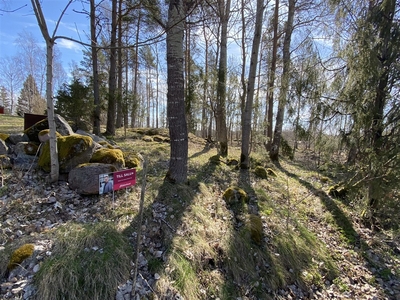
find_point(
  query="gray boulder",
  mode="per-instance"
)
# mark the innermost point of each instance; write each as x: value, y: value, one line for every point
x: 25, y: 148
x: 84, y: 179
x: 16, y: 138
x: 62, y: 127
x: 73, y: 150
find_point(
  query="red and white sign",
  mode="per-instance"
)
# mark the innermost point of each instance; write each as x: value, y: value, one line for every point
x: 124, y: 179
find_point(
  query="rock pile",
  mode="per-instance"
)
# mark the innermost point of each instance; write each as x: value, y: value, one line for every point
x: 82, y: 156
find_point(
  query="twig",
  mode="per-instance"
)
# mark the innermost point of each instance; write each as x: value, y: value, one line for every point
x: 169, y: 226
x: 139, y: 232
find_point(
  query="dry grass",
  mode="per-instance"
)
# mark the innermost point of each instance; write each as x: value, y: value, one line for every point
x: 211, y: 252
x: 11, y: 124
x: 88, y: 262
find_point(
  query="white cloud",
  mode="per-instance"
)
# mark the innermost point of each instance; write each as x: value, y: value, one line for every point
x: 67, y: 44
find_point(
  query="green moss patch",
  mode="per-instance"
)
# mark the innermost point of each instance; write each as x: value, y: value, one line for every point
x: 4, y: 136
x: 20, y: 255
x: 68, y: 147
x: 109, y: 156
x: 132, y: 159
x: 261, y: 172
x: 234, y: 195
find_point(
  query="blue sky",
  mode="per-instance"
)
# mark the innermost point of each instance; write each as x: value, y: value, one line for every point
x: 73, y: 25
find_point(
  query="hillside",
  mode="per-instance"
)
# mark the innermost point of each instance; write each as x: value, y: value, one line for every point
x: 287, y: 239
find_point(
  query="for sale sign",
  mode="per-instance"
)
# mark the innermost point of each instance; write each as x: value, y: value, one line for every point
x: 124, y: 179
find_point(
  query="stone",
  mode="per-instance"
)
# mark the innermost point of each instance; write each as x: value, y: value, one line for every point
x: 85, y: 178
x: 109, y: 156
x: 16, y: 138
x: 5, y: 162
x: 94, y: 137
x: 73, y: 150
x: 26, y: 148
x: 62, y: 127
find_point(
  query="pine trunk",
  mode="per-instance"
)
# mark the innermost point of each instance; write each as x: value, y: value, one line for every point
x: 177, y: 172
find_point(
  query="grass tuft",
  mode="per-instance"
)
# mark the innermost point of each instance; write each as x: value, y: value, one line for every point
x: 88, y: 262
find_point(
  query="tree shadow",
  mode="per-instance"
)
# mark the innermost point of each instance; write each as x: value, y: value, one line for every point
x: 351, y: 236
x: 162, y: 223
x: 340, y: 218
x: 207, y: 147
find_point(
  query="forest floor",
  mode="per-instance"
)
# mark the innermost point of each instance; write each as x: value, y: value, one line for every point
x: 192, y: 243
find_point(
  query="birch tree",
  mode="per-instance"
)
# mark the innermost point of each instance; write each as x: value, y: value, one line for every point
x: 274, y: 152
x: 248, y: 110
x: 50, y: 41
x: 224, y: 8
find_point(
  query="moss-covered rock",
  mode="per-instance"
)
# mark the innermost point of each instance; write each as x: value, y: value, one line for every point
x: 4, y: 136
x: 109, y: 156
x: 161, y: 139
x: 338, y: 191
x: 73, y: 150
x: 256, y: 228
x: 232, y: 161
x: 261, y: 172
x: 234, y: 194
x: 20, y: 255
x: 26, y: 148
x: 106, y: 144
x: 133, y: 160
x: 5, y: 162
x: 271, y: 172
x: 215, y: 159
x: 44, y: 135
x: 147, y: 138
x: 62, y: 127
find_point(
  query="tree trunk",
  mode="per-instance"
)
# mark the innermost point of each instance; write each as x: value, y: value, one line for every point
x: 112, y: 79
x: 135, y: 101
x: 119, y: 120
x: 247, y: 115
x: 222, y: 134
x: 96, y: 92
x: 274, y: 152
x: 54, y: 164
x: 271, y: 80
x: 177, y: 172
x: 386, y: 58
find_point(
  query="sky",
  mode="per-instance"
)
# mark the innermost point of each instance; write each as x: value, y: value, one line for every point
x: 17, y: 17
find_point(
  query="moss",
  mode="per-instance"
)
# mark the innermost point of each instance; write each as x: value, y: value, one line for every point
x: 106, y: 145
x: 147, y: 138
x: 20, y: 255
x: 4, y: 136
x: 256, y: 228
x: 233, y: 195
x: 67, y: 146
x: 215, y: 159
x: 47, y: 131
x: 132, y: 159
x: 232, y: 162
x: 324, y: 179
x: 108, y: 156
x: 31, y: 148
x: 160, y: 139
x: 338, y: 191
x: 5, y: 162
x: 271, y: 172
x: 261, y: 172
